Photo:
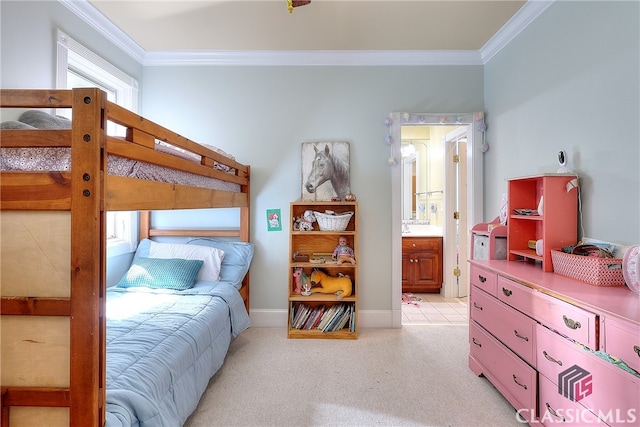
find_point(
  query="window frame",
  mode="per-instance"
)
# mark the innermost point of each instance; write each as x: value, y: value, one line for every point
x: 72, y: 56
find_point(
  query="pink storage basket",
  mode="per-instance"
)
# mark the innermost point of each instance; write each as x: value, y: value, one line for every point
x: 592, y: 270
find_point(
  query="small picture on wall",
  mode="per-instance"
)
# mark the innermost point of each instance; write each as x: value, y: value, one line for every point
x: 274, y: 222
x: 325, y: 170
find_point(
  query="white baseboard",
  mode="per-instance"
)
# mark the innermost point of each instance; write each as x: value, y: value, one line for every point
x: 264, y: 318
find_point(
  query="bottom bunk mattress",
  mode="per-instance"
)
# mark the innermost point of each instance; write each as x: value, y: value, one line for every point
x: 163, y: 347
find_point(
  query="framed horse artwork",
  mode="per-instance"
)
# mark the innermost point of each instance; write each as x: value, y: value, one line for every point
x: 325, y: 170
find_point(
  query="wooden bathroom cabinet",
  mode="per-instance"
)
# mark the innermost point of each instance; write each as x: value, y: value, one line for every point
x: 422, y: 264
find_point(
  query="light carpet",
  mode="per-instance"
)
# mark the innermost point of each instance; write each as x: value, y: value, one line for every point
x: 411, y: 376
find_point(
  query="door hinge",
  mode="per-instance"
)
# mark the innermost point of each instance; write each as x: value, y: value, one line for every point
x: 456, y: 215
x: 456, y: 158
x: 456, y: 271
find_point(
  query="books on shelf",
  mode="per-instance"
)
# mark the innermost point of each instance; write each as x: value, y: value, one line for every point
x: 334, y: 318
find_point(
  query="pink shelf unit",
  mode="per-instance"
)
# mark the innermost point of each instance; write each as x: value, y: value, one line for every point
x: 489, y: 240
x: 556, y: 227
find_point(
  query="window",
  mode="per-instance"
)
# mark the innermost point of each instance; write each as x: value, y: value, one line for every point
x: 80, y: 67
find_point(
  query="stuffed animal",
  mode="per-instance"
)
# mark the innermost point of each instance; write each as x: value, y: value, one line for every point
x: 301, y: 280
x: 323, y: 283
x: 307, y: 220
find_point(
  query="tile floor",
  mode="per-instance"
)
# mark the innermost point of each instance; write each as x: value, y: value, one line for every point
x: 434, y: 309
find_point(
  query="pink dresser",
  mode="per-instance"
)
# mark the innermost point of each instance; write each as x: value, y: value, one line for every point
x: 552, y: 345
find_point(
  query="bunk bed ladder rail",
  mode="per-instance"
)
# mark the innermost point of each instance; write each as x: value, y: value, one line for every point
x: 85, y: 393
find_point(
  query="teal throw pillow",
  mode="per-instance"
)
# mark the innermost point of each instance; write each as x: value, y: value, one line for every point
x: 161, y: 273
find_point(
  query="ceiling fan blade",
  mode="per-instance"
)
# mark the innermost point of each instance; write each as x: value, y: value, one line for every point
x: 295, y: 3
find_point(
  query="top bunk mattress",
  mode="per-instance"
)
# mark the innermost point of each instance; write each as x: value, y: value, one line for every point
x: 34, y: 159
x: 59, y: 159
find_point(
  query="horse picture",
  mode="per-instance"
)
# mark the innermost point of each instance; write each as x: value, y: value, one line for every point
x: 325, y: 170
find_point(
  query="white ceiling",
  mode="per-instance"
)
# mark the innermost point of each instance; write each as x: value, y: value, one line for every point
x: 324, y: 32
x: 241, y: 25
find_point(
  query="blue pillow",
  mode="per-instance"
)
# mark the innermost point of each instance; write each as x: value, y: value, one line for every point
x: 237, y: 257
x: 161, y: 273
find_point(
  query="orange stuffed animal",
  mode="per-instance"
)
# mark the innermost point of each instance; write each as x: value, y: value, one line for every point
x: 322, y: 283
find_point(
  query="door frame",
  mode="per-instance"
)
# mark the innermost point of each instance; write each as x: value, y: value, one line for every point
x: 475, y: 185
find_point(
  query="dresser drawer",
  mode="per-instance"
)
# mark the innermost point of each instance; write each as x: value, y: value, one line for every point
x: 567, y: 319
x: 585, y: 378
x: 511, y: 327
x: 421, y: 244
x: 622, y: 340
x: 556, y: 409
x: 516, y: 380
x: 484, y: 279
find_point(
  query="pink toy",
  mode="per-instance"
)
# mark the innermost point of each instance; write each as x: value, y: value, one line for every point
x: 301, y: 280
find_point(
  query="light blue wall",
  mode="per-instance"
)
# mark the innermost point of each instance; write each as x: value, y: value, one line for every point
x: 570, y: 82
x: 28, y: 44
x: 263, y: 114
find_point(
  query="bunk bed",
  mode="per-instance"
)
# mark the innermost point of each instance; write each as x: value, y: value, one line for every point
x: 54, y: 296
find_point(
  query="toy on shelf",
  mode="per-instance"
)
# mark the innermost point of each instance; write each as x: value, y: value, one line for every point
x: 304, y: 222
x: 343, y: 252
x: 323, y: 283
x: 301, y: 281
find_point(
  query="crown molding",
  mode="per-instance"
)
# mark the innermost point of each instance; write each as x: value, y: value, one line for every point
x: 89, y: 14
x: 518, y: 22
x: 315, y: 58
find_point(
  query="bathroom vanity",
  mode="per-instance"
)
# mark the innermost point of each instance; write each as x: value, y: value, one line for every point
x: 421, y: 263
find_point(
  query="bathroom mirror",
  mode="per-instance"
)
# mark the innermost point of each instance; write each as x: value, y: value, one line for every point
x: 409, y: 189
x: 415, y: 147
x: 422, y: 176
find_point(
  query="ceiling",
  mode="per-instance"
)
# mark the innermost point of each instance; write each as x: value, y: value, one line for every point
x: 322, y: 25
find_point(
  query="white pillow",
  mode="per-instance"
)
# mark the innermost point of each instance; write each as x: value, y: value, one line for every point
x: 212, y: 257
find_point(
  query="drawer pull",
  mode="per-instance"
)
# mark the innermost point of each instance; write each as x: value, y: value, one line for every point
x: 554, y: 413
x: 482, y: 278
x: 573, y: 324
x: 479, y: 307
x: 636, y: 348
x: 476, y: 342
x: 515, y: 380
x: 522, y: 337
x: 507, y: 292
x: 551, y: 359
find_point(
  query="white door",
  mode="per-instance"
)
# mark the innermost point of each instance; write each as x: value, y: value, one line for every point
x: 456, y: 227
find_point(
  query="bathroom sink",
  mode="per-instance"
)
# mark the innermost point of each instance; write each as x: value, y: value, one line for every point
x: 421, y: 230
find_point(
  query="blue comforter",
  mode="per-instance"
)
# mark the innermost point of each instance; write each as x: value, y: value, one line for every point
x: 163, y: 347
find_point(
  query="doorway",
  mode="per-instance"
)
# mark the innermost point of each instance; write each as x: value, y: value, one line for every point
x: 462, y: 194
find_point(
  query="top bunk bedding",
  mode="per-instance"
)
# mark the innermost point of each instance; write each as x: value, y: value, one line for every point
x: 59, y: 158
x: 39, y: 142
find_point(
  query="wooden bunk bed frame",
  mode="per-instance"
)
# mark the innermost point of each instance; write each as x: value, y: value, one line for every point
x: 88, y: 192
